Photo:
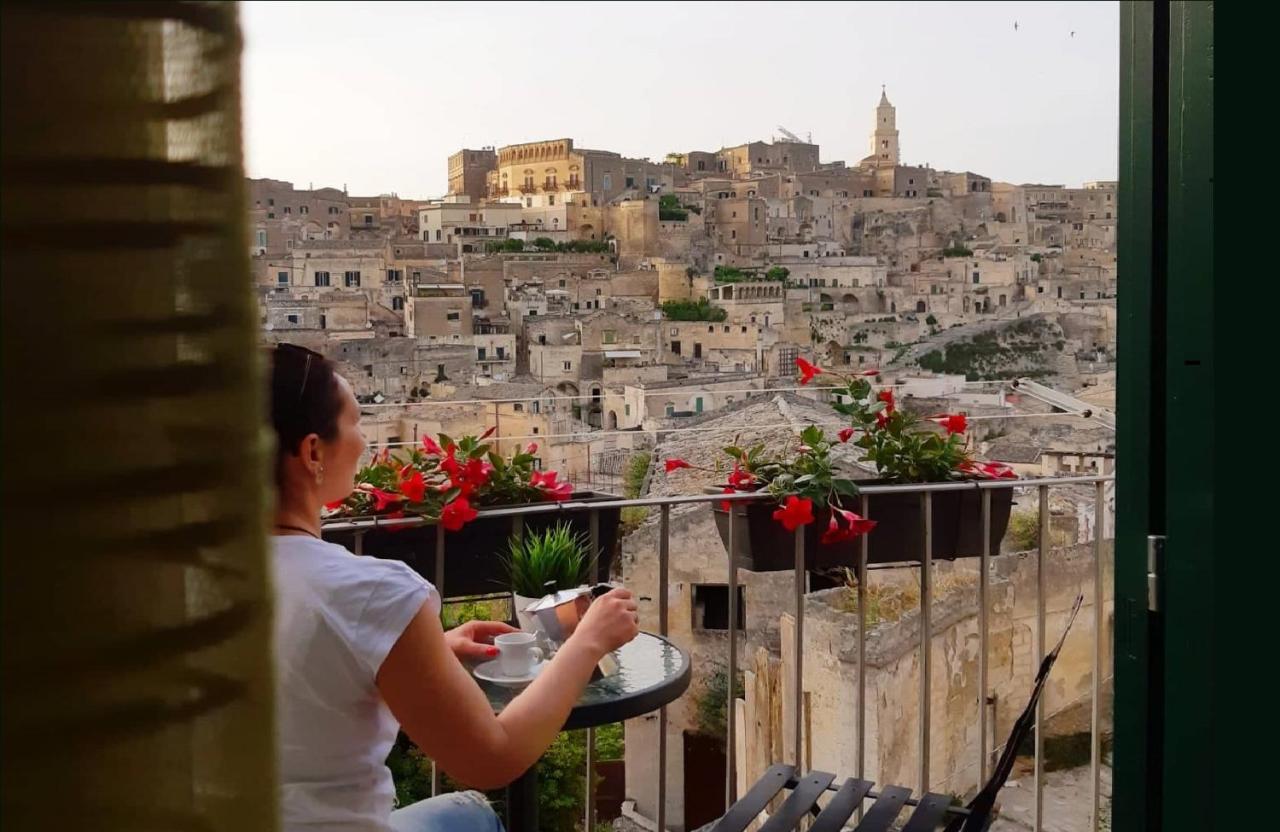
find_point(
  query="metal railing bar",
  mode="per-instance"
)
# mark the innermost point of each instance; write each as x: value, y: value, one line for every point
x: 664, y: 546
x: 862, y: 653
x: 926, y: 597
x: 1095, y: 716
x: 1041, y: 552
x: 984, y: 579
x: 365, y: 524
x: 798, y: 650
x: 731, y: 758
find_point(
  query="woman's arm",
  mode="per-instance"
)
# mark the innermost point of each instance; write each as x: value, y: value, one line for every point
x: 447, y: 715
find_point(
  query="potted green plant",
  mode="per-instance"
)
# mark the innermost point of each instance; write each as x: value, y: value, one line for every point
x: 448, y: 482
x: 542, y: 562
x: 809, y: 493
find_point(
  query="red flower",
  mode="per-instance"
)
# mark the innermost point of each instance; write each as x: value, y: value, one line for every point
x: 953, y: 422
x: 845, y: 434
x: 457, y: 514
x: 450, y: 464
x: 477, y: 472
x: 725, y: 504
x: 869, y: 373
x: 336, y: 504
x: 395, y: 515
x: 382, y: 499
x: 855, y: 526
x: 807, y: 370
x: 546, y: 483
x: 740, y: 479
x: 674, y: 464
x: 886, y: 396
x: 429, y: 445
x: 795, y: 512
x: 412, y: 485
x: 531, y: 448
x: 489, y: 432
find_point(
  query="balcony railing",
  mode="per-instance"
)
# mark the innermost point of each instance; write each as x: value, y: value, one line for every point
x: 923, y: 560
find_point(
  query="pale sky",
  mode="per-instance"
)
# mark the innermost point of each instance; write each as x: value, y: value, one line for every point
x: 376, y: 95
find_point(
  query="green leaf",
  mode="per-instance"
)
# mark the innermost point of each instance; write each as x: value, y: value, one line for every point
x: 445, y: 440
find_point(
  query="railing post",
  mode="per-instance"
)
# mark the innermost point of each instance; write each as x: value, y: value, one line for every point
x: 590, y: 808
x: 664, y: 545
x: 926, y: 594
x: 593, y: 520
x: 984, y: 625
x: 797, y: 695
x: 1099, y: 598
x: 862, y: 653
x: 1039, y: 653
x: 359, y: 544
x: 731, y: 759
x: 439, y: 582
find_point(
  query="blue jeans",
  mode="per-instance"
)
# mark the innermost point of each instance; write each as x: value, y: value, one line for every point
x: 453, y: 812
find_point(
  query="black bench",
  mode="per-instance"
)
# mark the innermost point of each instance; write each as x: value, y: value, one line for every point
x: 930, y: 810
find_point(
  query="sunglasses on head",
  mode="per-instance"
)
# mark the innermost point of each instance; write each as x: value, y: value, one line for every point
x: 306, y: 368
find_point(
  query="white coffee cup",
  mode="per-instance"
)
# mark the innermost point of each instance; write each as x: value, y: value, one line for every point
x: 517, y: 653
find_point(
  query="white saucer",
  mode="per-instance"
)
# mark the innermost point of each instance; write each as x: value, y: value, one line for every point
x: 491, y: 671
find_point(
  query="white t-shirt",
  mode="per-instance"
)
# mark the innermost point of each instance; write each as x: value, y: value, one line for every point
x: 336, y: 618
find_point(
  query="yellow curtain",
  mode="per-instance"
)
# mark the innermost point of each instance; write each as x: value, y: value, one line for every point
x: 136, y: 679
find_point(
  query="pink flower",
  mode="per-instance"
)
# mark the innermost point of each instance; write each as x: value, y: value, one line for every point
x: 457, y: 514
x: 795, y: 512
x: 845, y: 434
x: 531, y: 448
x: 676, y: 464
x: 429, y: 445
x: 872, y: 373
x: 988, y: 470
x: 954, y: 422
x: 807, y: 370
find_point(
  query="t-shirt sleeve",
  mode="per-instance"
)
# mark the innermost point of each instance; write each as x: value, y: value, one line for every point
x: 393, y: 594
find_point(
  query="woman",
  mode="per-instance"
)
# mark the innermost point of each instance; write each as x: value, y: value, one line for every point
x: 360, y: 651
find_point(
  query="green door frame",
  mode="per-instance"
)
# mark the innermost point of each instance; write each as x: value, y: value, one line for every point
x: 1163, y: 730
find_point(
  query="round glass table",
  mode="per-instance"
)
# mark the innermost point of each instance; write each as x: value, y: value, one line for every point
x: 652, y: 672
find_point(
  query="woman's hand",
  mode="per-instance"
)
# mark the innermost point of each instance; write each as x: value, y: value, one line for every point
x: 473, y: 641
x: 610, y: 622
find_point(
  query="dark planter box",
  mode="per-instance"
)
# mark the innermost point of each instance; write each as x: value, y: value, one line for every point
x: 765, y: 546
x: 472, y: 562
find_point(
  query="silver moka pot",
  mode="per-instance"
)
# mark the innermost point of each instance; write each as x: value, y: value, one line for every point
x: 558, y: 615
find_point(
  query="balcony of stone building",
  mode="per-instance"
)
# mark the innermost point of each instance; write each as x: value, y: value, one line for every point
x: 925, y: 601
x: 528, y: 188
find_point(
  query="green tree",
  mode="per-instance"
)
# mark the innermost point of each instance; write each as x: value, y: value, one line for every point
x: 687, y: 310
x: 779, y: 273
x: 544, y: 244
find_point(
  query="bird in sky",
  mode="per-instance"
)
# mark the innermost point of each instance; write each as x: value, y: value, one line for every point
x: 1015, y: 25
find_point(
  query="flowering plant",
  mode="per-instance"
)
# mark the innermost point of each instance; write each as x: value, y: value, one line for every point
x: 445, y: 480
x: 902, y: 449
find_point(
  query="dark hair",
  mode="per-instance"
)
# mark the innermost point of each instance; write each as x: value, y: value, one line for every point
x: 305, y: 399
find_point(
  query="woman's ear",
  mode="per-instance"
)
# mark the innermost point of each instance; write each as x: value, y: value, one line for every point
x: 309, y: 451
